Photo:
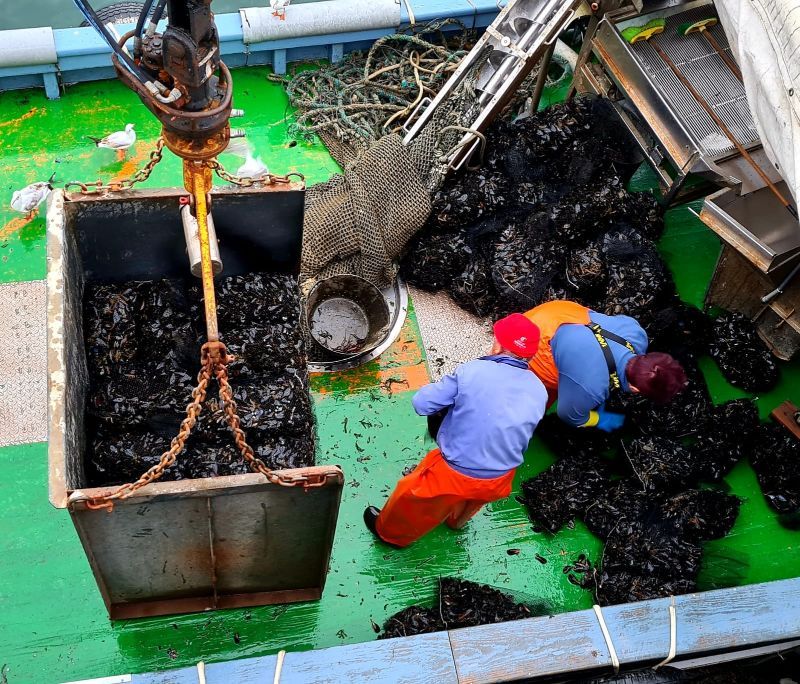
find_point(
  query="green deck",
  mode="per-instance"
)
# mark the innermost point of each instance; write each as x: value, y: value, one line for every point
x: 54, y: 626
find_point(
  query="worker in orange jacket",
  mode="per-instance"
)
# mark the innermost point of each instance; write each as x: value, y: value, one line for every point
x: 492, y: 405
x: 584, y: 355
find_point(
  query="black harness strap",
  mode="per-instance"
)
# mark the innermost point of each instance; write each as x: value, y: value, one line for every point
x: 602, y: 336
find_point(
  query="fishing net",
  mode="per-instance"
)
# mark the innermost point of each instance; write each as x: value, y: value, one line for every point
x: 353, y: 103
x: 360, y: 221
x: 138, y: 391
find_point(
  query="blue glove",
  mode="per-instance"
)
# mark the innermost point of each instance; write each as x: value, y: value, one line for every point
x: 608, y: 422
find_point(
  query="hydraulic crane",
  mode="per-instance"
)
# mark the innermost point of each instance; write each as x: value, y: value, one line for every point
x: 181, y: 79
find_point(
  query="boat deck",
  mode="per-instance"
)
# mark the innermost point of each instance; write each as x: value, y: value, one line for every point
x: 54, y: 626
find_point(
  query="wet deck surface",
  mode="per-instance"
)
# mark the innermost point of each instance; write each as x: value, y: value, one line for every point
x: 54, y: 626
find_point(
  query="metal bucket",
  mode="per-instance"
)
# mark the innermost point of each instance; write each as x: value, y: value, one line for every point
x: 346, y: 315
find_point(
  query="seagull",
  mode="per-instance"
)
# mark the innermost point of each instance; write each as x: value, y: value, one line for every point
x: 119, y: 140
x: 279, y: 8
x: 253, y: 167
x: 31, y: 196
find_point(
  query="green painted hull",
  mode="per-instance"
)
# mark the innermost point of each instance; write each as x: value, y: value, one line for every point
x: 54, y: 626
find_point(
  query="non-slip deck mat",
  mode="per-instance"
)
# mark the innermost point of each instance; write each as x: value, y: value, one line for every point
x: 23, y: 363
x: 450, y: 335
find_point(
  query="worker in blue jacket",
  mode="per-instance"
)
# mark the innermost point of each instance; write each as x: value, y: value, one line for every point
x: 584, y: 356
x: 492, y: 405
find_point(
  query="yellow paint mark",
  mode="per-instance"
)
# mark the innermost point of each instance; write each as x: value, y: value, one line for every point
x: 15, y: 225
x: 20, y: 119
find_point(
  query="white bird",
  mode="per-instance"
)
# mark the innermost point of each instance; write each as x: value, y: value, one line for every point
x: 119, y: 140
x: 279, y: 8
x: 253, y: 167
x: 31, y: 196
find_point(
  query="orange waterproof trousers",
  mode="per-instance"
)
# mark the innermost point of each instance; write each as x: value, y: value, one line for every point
x: 432, y: 494
x: 549, y: 317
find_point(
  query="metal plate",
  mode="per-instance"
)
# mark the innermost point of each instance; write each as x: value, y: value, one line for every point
x: 756, y: 225
x: 222, y: 542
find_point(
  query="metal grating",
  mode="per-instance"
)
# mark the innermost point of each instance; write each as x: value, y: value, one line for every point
x: 699, y: 62
x: 450, y: 335
x: 23, y: 368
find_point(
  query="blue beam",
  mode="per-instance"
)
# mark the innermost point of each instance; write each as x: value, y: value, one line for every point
x: 84, y: 56
x: 711, y: 622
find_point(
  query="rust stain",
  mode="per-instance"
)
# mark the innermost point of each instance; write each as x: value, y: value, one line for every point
x: 132, y: 165
x: 15, y: 225
x: 401, y: 368
x: 20, y: 119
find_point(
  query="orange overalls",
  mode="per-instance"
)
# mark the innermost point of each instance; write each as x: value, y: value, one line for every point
x: 432, y: 494
x: 549, y: 317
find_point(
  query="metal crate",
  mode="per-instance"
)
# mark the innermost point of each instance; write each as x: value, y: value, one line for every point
x: 193, y: 545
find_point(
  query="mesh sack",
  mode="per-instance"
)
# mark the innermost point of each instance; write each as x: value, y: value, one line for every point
x: 364, y: 218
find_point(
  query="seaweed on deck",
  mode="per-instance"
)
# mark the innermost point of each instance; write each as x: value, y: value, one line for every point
x: 741, y: 355
x: 142, y: 344
x: 459, y: 603
x: 565, y: 490
x: 775, y: 457
x: 551, y: 187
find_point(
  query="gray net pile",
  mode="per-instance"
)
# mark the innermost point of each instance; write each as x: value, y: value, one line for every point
x: 351, y: 104
x: 360, y: 221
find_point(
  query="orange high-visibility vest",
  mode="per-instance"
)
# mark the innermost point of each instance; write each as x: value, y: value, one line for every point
x: 549, y: 317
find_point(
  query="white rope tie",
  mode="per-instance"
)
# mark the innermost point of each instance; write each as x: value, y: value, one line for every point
x: 278, y: 667
x: 411, y: 18
x: 201, y: 672
x: 673, y: 635
x: 612, y: 652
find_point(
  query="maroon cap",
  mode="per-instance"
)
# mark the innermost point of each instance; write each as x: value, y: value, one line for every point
x: 657, y: 376
x: 518, y: 335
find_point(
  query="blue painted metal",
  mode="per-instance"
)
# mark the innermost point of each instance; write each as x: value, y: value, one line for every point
x: 711, y: 622
x: 84, y: 56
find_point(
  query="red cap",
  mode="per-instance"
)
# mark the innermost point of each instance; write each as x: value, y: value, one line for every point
x: 517, y: 334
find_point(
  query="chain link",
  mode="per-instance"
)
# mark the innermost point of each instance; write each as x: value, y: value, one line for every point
x: 209, y: 367
x: 141, y: 175
x: 248, y: 181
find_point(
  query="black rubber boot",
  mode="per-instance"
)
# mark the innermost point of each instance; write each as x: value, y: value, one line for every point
x: 371, y: 514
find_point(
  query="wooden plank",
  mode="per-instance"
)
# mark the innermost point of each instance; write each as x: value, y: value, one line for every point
x: 711, y: 621
x: 784, y: 415
x: 422, y: 659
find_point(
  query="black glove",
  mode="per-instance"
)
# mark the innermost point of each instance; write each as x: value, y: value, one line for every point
x: 435, y: 422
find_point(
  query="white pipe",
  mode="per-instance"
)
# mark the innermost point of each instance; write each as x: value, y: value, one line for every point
x: 193, y: 243
x: 27, y: 47
x: 318, y: 18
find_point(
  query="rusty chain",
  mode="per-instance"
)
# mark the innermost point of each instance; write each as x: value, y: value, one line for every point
x: 248, y: 181
x: 91, y: 187
x: 219, y: 370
